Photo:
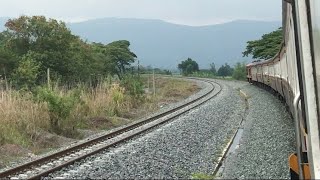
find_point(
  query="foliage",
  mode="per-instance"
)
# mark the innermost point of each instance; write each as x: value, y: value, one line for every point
x: 8, y: 62
x: 118, y: 57
x: 133, y: 85
x: 188, y: 66
x: 117, y: 96
x: 50, y: 44
x: 201, y: 176
x: 266, y: 47
x: 225, y: 70
x: 59, y: 107
x: 239, y: 72
x: 213, y: 69
x: 25, y: 76
x: 204, y: 73
x: 149, y: 70
x: 167, y: 72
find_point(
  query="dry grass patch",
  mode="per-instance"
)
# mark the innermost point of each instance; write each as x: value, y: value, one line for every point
x: 21, y: 118
x: 168, y: 90
x: 177, y: 89
x: 26, y: 121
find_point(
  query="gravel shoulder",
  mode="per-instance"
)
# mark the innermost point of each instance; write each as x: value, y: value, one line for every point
x: 190, y: 144
x: 267, y: 140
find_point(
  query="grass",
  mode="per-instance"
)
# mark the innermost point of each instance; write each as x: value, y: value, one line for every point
x: 26, y: 122
x: 167, y: 91
x: 21, y: 118
x: 201, y: 176
x: 175, y: 88
x: 227, y: 78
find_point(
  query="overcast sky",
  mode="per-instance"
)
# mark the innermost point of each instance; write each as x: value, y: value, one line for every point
x: 188, y: 12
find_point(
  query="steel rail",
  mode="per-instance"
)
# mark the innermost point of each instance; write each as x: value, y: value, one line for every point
x: 63, y: 153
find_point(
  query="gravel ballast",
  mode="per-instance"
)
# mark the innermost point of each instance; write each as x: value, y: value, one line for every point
x: 267, y: 141
x: 190, y: 144
x: 204, y: 88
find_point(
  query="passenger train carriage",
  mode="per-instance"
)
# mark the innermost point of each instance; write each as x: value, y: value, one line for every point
x: 294, y: 74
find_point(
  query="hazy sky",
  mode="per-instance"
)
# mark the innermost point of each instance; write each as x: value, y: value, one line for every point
x: 189, y: 12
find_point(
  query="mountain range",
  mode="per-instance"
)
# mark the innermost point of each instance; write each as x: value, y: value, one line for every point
x: 161, y: 44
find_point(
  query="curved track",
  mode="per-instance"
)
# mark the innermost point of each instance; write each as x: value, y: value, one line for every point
x: 43, y: 166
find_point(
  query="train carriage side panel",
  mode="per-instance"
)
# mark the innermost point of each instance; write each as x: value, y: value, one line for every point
x: 277, y: 70
x: 290, y: 82
x: 284, y: 76
x: 259, y: 73
x: 254, y: 73
x: 292, y: 63
x: 265, y: 74
x: 294, y: 69
x: 272, y: 77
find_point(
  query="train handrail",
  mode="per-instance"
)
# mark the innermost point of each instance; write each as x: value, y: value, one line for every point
x: 296, y: 101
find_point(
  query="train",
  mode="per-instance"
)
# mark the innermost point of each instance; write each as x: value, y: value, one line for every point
x: 294, y: 75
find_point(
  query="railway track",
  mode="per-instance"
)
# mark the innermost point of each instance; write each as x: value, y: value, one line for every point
x: 44, y: 166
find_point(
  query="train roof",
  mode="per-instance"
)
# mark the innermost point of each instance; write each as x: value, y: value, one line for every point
x: 260, y: 62
x: 276, y: 57
x: 282, y: 49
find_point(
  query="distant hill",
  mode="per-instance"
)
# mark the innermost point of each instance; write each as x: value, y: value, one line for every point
x: 164, y: 45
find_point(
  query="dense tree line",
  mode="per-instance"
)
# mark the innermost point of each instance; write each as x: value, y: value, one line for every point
x: 225, y: 70
x: 150, y: 70
x: 237, y: 72
x: 31, y: 45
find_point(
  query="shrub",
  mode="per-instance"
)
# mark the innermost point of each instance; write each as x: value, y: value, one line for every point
x: 25, y: 76
x: 239, y: 72
x: 59, y: 107
x: 21, y: 118
x: 133, y: 86
x: 116, y: 97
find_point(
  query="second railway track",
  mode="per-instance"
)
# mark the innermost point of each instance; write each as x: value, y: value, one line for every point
x: 44, y: 166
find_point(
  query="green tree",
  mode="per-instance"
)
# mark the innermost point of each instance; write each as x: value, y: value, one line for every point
x: 25, y: 76
x: 188, y: 66
x: 213, y: 69
x: 50, y: 42
x: 8, y: 62
x: 266, y: 47
x: 89, y: 62
x: 239, y: 71
x: 225, y: 70
x: 118, y: 57
x: 60, y: 107
x: 133, y: 85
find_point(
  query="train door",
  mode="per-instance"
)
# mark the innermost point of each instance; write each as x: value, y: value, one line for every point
x: 249, y: 75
